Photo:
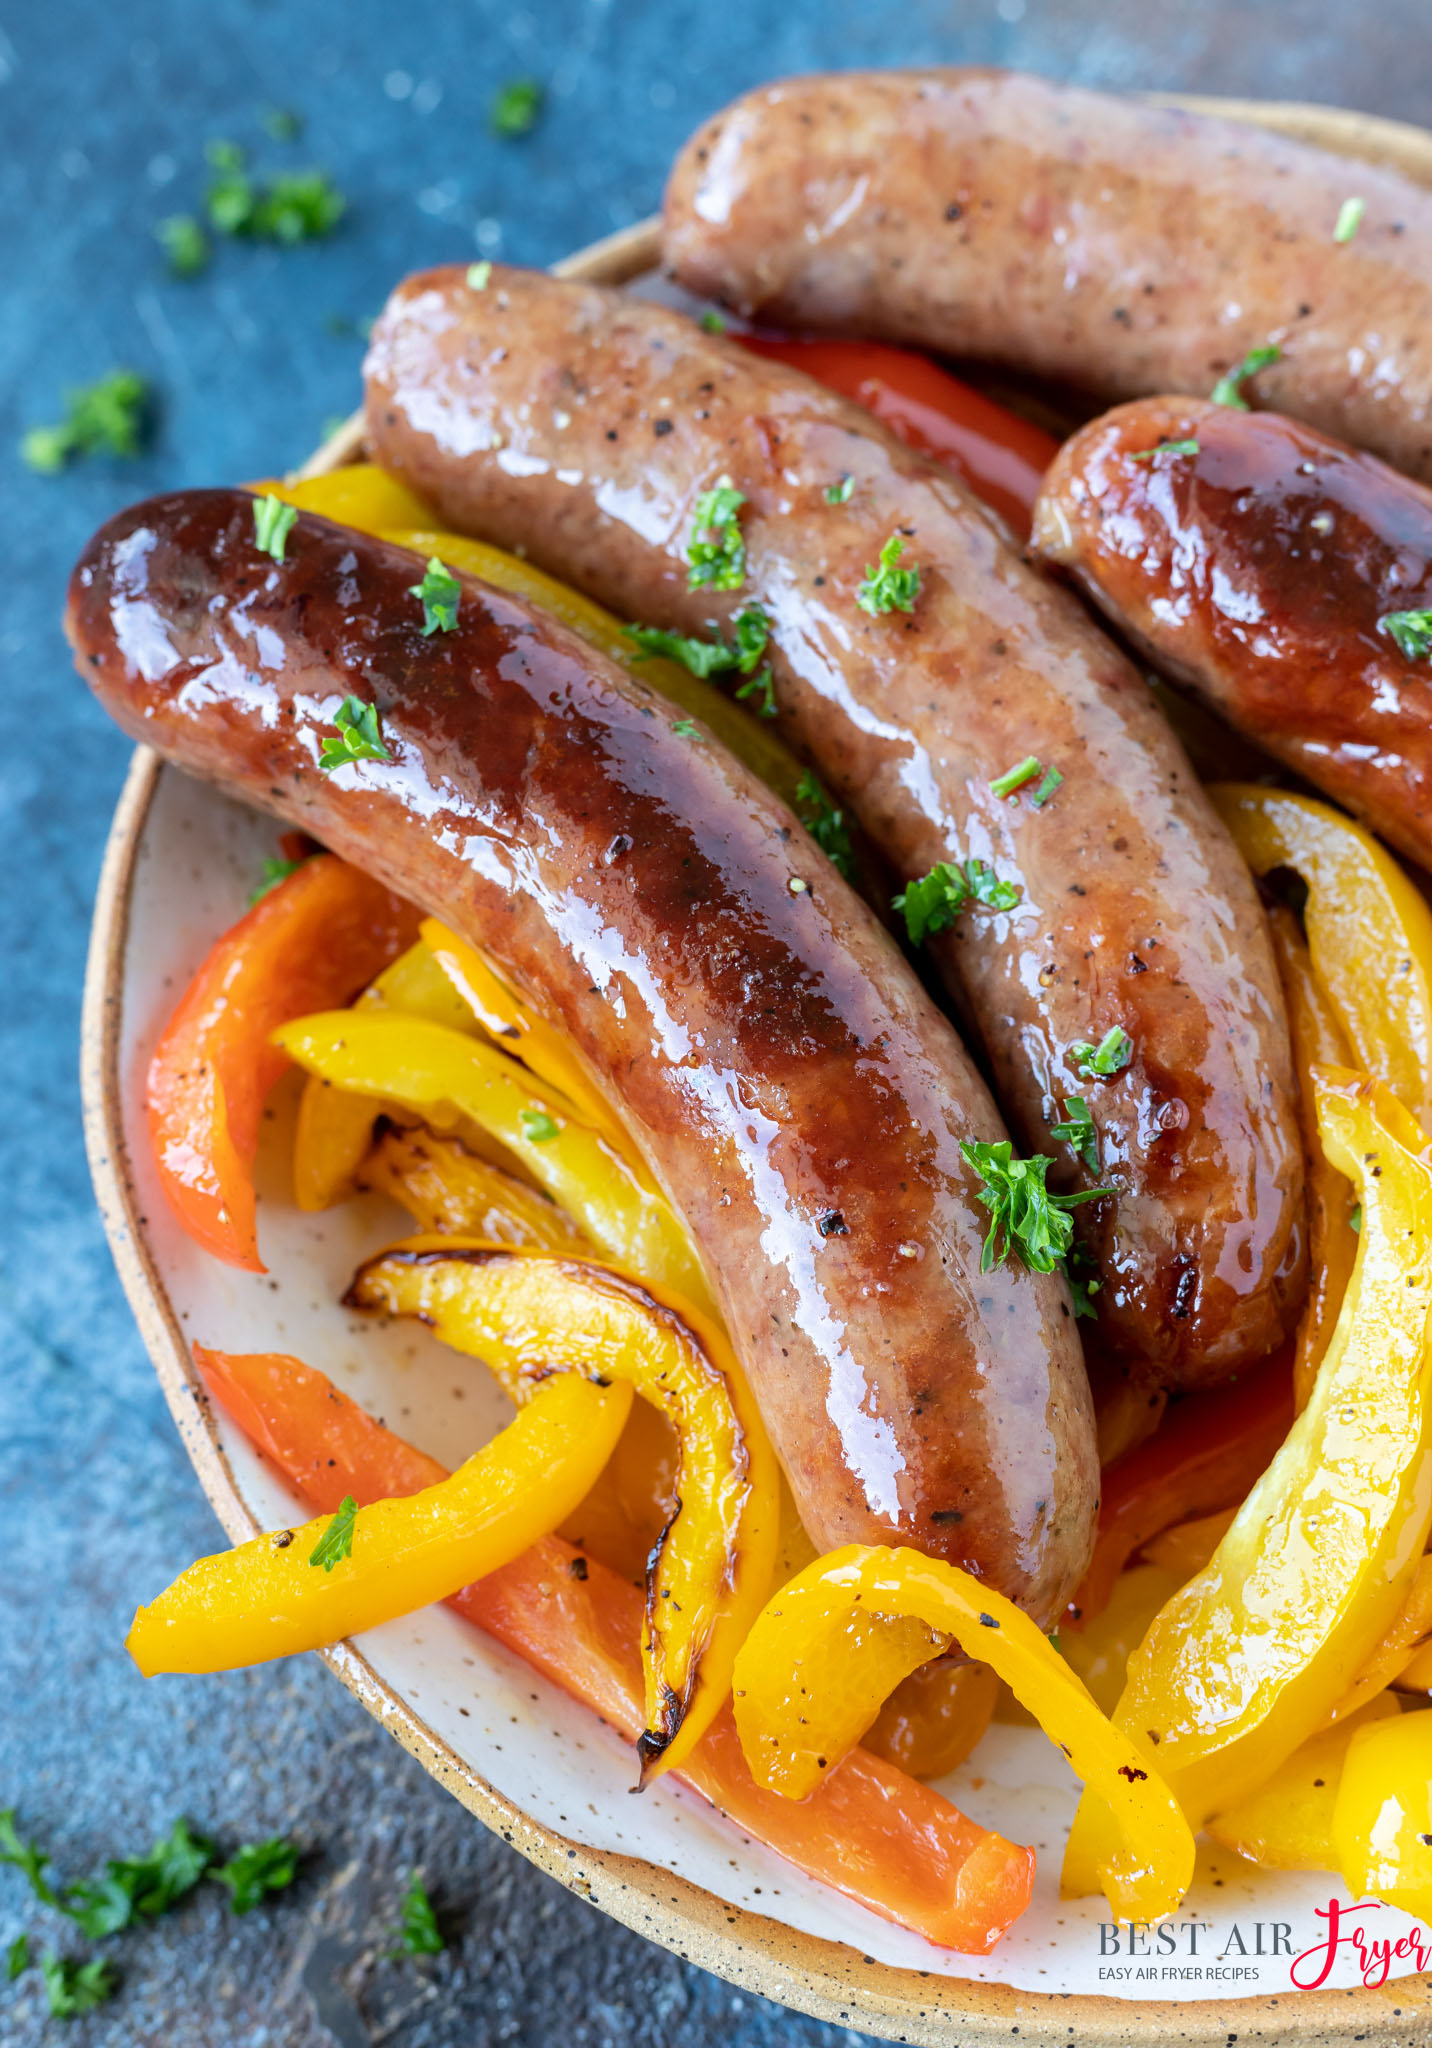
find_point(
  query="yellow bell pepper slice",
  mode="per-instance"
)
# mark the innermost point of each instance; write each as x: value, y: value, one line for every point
x: 449, y: 1191
x: 1382, y: 1819
x: 1318, y: 1041
x: 1416, y: 1673
x: 360, y: 495
x: 269, y: 1597
x: 1188, y: 1546
x: 1287, y: 1824
x: 834, y: 1642
x: 1369, y: 930
x: 1098, y: 1652
x: 712, y: 1569
x: 503, y: 1014
x: 1247, y: 1661
x: 434, y: 1071
x: 1397, y: 1649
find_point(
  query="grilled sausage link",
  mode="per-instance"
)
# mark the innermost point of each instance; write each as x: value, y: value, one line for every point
x: 583, y: 426
x: 798, y: 1095
x: 1126, y: 248
x: 1257, y: 569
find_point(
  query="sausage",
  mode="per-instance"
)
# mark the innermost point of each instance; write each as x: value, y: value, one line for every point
x: 794, y: 1089
x: 583, y: 425
x: 1126, y: 248
x: 1256, y: 571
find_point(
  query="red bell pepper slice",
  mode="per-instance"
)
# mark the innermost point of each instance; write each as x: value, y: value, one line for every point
x: 882, y: 1838
x: 999, y: 455
x: 309, y: 944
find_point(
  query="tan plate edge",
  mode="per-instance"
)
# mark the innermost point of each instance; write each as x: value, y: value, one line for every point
x: 825, y: 1979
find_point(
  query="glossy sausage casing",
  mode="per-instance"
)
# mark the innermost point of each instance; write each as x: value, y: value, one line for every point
x: 1257, y: 571
x: 583, y: 425
x: 798, y: 1095
x: 1080, y: 235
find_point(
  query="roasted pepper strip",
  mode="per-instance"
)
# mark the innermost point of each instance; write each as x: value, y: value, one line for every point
x: 1382, y: 1818
x: 274, y: 1595
x: 868, y: 1831
x: 1287, y: 1823
x: 1318, y: 1041
x: 1391, y: 1657
x: 528, y: 1313
x: 448, y: 1191
x: 1369, y: 930
x: 311, y: 942
x: 1206, y: 1454
x: 360, y: 494
x: 1247, y: 1661
x: 428, y: 1069
x: 834, y: 1642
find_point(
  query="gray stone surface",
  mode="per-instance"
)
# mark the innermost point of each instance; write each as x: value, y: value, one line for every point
x: 104, y: 112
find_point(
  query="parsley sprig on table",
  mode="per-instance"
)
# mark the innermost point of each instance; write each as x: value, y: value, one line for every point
x: 140, y: 1887
x: 287, y: 207
x: 103, y: 418
x: 257, y: 1869
x: 516, y: 107
x: 421, y: 1934
x: 1025, y: 1219
x: 72, y: 1987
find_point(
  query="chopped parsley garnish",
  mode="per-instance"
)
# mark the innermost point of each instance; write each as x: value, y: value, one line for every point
x: 276, y: 868
x: 72, y: 1988
x: 288, y: 208
x: 26, y: 1857
x: 104, y: 418
x: 184, y: 244
x: 1229, y: 390
x: 140, y: 1887
x: 761, y: 685
x: 716, y: 552
x: 1188, y: 447
x: 332, y: 1547
x: 886, y: 588
x: 825, y: 823
x: 438, y: 592
x: 933, y: 902
x: 1024, y: 1217
x: 538, y: 1127
x: 712, y: 321
x: 17, y: 1958
x: 1079, y: 1268
x: 1109, y: 1057
x: 478, y: 276
x: 1355, y: 1219
x: 1350, y: 215
x: 1411, y: 630
x: 515, y: 107
x: 283, y: 124
x: 1079, y: 1130
x: 259, y: 1867
x: 839, y: 494
x: 360, y: 737
x: 421, y: 1934
x: 686, y: 729
x: 1015, y: 778
x: 273, y: 523
x: 708, y: 658
x: 1046, y: 789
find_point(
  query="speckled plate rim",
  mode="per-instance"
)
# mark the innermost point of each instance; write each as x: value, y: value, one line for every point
x: 826, y: 1979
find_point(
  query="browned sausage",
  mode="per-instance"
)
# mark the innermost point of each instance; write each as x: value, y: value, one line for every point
x: 583, y: 425
x: 1123, y: 247
x: 795, y: 1090
x: 1257, y: 571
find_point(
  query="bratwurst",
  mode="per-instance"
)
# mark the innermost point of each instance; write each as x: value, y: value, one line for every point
x: 1125, y: 248
x: 584, y: 427
x: 786, y: 1077
x: 1256, y: 561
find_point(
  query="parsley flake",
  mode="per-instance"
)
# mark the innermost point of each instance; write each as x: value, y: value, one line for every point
x: 712, y: 322
x: 439, y: 593
x: 1046, y: 789
x: 839, y: 494
x: 1411, y: 630
x: 273, y: 523
x: 1079, y: 1130
x: 1015, y: 778
x: 1187, y: 447
x: 478, y: 276
x: 716, y: 551
x: 72, y: 1988
x: 686, y: 729
x: 360, y: 737
x: 825, y: 824
x: 104, y: 418
x: 1350, y: 215
x: 1079, y: 1269
x: 1024, y: 1217
x: 932, y: 903
x: 538, y: 1127
x: 259, y: 1867
x: 17, y: 1958
x: 1229, y: 390
x: 332, y: 1547
x: 1355, y: 1219
x: 275, y: 869
x: 886, y: 588
x: 761, y: 685
x: 1109, y: 1057
x: 516, y: 107
x: 184, y: 244
x: 421, y: 1934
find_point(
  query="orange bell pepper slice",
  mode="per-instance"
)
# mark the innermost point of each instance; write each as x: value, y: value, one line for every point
x: 880, y: 1838
x: 310, y: 943
x: 834, y: 1642
x: 298, y: 1589
x: 935, y: 1719
x: 710, y: 1572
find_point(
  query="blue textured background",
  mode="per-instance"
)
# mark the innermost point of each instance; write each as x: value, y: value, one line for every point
x: 104, y: 113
